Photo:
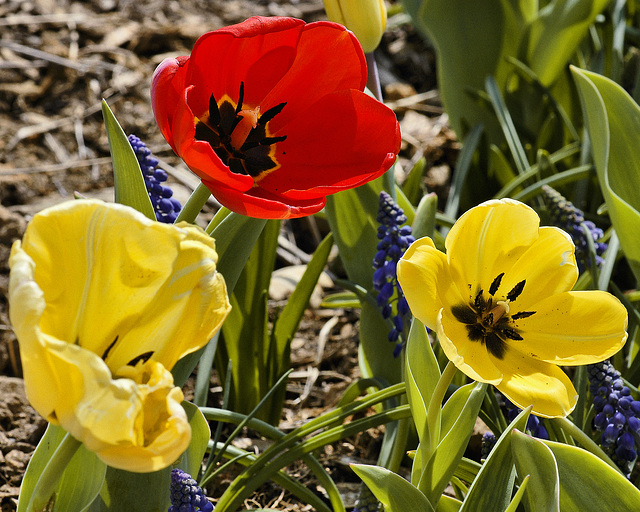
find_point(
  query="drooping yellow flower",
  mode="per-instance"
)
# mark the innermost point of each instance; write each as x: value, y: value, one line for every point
x: 501, y: 304
x: 367, y: 19
x: 104, y: 302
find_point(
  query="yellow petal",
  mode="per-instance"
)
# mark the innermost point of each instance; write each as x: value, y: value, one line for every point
x: 486, y: 240
x: 424, y: 277
x: 367, y: 19
x: 548, y: 266
x: 470, y: 357
x: 543, y: 385
x: 574, y: 328
x: 126, y: 279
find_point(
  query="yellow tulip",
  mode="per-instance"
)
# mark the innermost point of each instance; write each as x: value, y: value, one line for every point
x: 367, y: 19
x: 501, y: 305
x: 104, y: 302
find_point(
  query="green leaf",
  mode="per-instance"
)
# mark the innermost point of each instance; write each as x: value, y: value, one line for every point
x: 535, y: 459
x: 448, y: 504
x: 341, y: 300
x: 492, y: 488
x: 191, y: 459
x: 613, y: 123
x: 124, y: 491
x: 459, y: 415
x: 393, y: 491
x: 79, y: 483
x: 557, y: 31
x: 421, y: 377
x: 127, y: 176
x: 472, y: 40
x: 588, y: 483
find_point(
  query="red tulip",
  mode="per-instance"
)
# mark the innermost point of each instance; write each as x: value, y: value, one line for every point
x: 271, y: 116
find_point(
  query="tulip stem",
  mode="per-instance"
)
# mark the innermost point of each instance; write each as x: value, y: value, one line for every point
x: 194, y: 204
x: 373, y: 78
x: 43, y: 492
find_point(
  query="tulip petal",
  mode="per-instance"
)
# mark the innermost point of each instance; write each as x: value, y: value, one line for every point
x: 258, y: 52
x: 262, y: 204
x: 420, y: 273
x: 73, y: 387
x: 486, y: 240
x: 344, y: 139
x: 528, y: 381
x: 553, y: 273
x: 574, y: 328
x: 167, y: 91
x: 147, y: 260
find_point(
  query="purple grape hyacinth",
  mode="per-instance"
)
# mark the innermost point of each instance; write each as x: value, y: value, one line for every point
x: 165, y: 206
x: 394, y: 241
x: 617, y: 415
x: 186, y: 496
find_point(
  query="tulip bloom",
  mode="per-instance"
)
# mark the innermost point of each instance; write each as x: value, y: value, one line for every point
x: 501, y: 304
x: 271, y: 116
x: 366, y: 18
x: 104, y: 302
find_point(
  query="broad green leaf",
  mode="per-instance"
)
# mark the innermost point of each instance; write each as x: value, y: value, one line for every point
x: 492, y: 488
x: 124, y: 491
x: 448, y: 504
x: 79, y: 483
x: 127, y: 176
x: 459, y: 415
x: 421, y: 377
x: 554, y: 35
x: 588, y: 483
x: 534, y: 459
x: 613, y: 122
x: 191, y: 459
x: 472, y: 40
x: 393, y: 491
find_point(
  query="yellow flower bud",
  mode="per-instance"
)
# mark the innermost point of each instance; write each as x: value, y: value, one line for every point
x: 367, y: 19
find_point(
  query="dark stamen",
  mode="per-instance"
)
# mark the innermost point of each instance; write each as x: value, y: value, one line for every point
x: 512, y: 334
x: 480, y: 303
x: 214, y: 112
x: 142, y: 357
x: 240, y: 98
x: 495, y: 345
x: 271, y: 113
x: 517, y: 290
x: 495, y: 285
x: 522, y: 314
x: 267, y: 141
x: 106, y: 352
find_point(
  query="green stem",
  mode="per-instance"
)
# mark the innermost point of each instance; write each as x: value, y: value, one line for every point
x: 44, y: 490
x: 584, y: 440
x: 194, y: 204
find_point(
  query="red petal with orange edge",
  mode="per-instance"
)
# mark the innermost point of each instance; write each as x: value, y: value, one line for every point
x: 343, y: 140
x: 261, y: 204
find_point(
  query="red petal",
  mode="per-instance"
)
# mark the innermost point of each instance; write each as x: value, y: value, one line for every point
x: 343, y: 140
x: 262, y: 204
x: 257, y: 52
x: 329, y: 59
x: 167, y: 88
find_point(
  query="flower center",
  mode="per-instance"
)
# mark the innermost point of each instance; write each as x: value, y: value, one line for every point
x: 489, y: 320
x: 240, y: 137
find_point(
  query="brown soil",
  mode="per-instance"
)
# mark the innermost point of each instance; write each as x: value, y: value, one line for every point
x: 58, y: 59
